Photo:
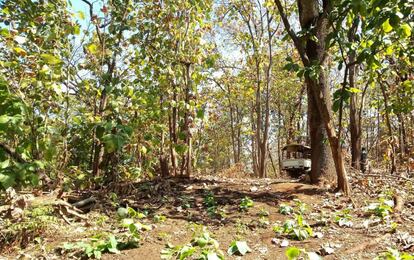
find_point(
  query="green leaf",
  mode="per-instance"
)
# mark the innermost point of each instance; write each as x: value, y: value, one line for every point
x: 354, y: 90
x: 213, y: 256
x: 113, y: 244
x: 4, y: 32
x: 292, y: 253
x: 243, y: 247
x: 180, y: 148
x: 386, y: 26
x: 19, y: 51
x: 201, y: 242
x: 4, y: 164
x: 126, y: 222
x: 76, y: 29
x: 113, y: 142
x: 406, y: 28
x: 97, y: 254
x: 50, y: 59
x: 186, y: 251
x: 4, y: 119
x: 81, y: 15
x: 6, y: 181
x: 122, y: 212
x: 92, y: 48
x: 240, y: 247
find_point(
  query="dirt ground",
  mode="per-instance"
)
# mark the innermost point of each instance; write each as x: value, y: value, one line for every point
x: 182, y: 202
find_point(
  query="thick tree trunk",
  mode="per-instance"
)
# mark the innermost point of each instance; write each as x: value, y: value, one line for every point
x: 314, y: 17
x: 321, y: 155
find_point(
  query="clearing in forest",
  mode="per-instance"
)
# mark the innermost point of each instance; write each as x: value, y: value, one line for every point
x: 211, y: 216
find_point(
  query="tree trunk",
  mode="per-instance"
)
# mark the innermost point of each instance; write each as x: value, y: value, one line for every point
x: 321, y: 156
x: 354, y: 113
x: 99, y: 151
x: 254, y: 145
x: 173, y: 132
x: 391, y: 143
x: 188, y: 121
x: 163, y: 158
x: 354, y: 123
x: 403, y: 134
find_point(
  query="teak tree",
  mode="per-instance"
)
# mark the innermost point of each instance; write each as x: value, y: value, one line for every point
x: 314, y: 19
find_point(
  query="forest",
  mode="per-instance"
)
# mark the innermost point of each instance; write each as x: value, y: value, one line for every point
x: 207, y: 129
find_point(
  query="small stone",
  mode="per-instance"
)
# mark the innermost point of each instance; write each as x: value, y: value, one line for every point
x: 254, y: 189
x: 318, y: 235
x: 284, y: 243
x: 327, y: 250
x: 275, y: 241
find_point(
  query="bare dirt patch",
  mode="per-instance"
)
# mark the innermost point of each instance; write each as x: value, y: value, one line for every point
x: 183, y: 207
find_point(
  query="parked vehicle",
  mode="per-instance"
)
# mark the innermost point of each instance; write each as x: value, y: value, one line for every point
x: 296, y: 159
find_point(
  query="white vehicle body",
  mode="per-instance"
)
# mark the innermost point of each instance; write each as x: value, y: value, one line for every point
x: 296, y: 158
x: 296, y: 164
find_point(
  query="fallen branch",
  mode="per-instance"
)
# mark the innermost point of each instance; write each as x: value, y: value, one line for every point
x: 83, y: 203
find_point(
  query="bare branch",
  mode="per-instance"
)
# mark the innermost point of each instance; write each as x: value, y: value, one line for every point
x: 296, y: 41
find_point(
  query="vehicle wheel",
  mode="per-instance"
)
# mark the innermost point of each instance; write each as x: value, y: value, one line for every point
x: 294, y: 173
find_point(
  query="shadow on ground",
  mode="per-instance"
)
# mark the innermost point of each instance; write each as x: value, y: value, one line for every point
x: 183, y: 198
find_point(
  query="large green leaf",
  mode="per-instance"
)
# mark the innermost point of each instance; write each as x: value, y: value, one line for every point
x: 113, y: 142
x: 4, y: 164
x: 292, y: 253
x: 50, y: 59
x: 386, y: 26
x: 6, y: 180
x: 406, y: 28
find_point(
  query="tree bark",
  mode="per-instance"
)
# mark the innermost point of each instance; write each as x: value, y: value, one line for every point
x: 391, y: 143
x: 354, y: 113
x: 321, y: 155
x: 354, y: 123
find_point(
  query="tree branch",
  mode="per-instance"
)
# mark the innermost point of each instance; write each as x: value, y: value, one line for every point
x: 292, y: 34
x: 10, y: 151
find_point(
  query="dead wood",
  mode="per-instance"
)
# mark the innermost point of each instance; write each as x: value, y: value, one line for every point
x: 399, y: 203
x: 85, y: 202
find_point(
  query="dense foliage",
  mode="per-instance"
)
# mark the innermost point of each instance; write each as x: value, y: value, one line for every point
x: 132, y: 89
